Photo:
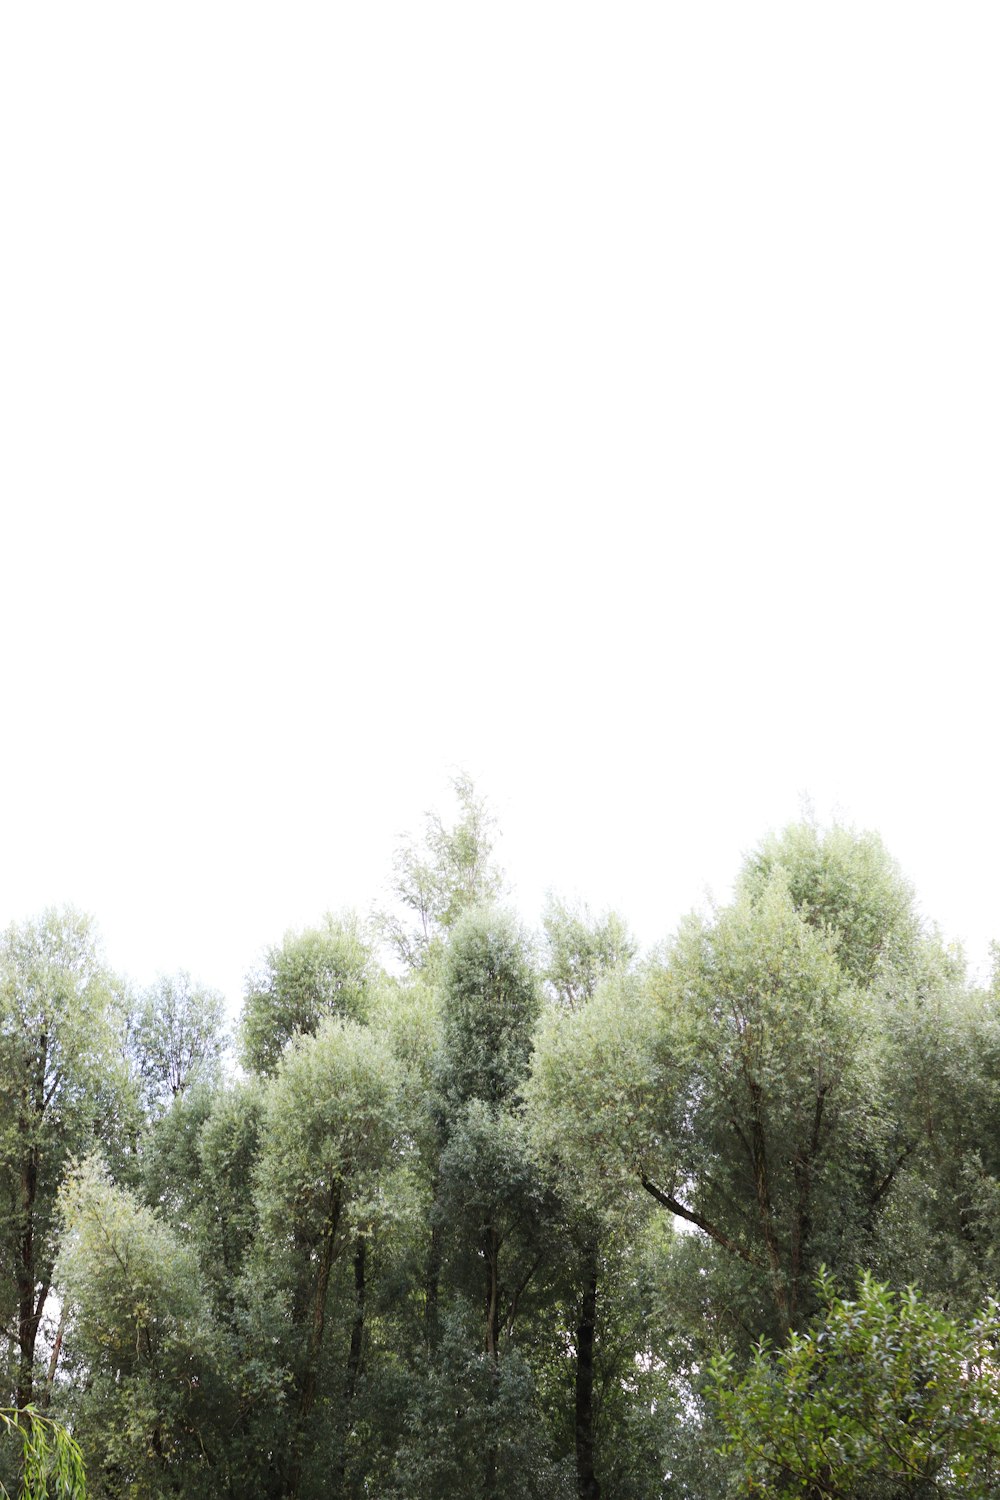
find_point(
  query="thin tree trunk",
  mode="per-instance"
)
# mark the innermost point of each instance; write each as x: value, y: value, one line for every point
x: 491, y: 1245
x: 358, y: 1330
x: 491, y: 1248
x: 354, y: 1357
x: 28, y: 1310
x: 802, y: 1225
x: 587, y: 1487
x: 314, y: 1347
x: 433, y: 1280
x: 54, y: 1360
x: 761, y: 1176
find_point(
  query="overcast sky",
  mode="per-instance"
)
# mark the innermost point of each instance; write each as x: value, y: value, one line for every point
x: 601, y: 399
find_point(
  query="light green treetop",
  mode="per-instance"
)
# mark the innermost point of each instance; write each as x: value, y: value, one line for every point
x: 177, y: 1036
x: 322, y: 971
x: 440, y: 875
x: 581, y: 948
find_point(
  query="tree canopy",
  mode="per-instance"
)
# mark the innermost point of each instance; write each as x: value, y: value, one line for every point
x: 470, y: 1210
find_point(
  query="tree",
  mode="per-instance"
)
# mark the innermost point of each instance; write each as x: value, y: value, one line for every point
x: 846, y: 884
x: 467, y: 1410
x: 491, y: 1003
x: 883, y: 1391
x: 582, y: 952
x: 588, y: 1102
x: 61, y: 1085
x: 322, y: 971
x: 176, y: 1036
x: 441, y: 875
x: 751, y: 1099
x: 788, y: 1146
x: 943, y: 1227
x: 489, y: 1008
x: 329, y: 1126
x: 140, y: 1338
x: 581, y: 949
x: 488, y: 1214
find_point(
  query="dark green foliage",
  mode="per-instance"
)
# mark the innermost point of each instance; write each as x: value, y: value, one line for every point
x: 491, y: 1004
x: 134, y: 1300
x: 474, y: 1428
x: 883, y: 1397
x: 62, y: 1089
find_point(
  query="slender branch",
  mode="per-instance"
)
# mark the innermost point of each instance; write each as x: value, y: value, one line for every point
x: 675, y: 1207
x: 516, y: 1295
x: 890, y: 1177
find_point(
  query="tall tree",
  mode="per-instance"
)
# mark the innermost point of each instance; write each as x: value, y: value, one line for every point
x: 590, y: 1117
x: 756, y: 1106
x: 582, y: 951
x: 330, y: 1120
x: 439, y: 875
x: 141, y: 1343
x: 488, y: 1194
x: 788, y: 1145
x: 944, y: 1060
x: 61, y: 1087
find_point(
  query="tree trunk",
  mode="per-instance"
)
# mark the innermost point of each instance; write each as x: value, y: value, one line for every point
x: 29, y: 1310
x: 314, y: 1346
x: 54, y: 1360
x: 354, y: 1357
x: 491, y: 1246
x: 433, y: 1279
x: 491, y: 1250
x: 358, y: 1330
x: 587, y: 1487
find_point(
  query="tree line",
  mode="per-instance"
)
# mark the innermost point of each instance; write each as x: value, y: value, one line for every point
x: 471, y: 1212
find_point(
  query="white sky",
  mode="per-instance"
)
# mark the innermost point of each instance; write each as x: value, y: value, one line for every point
x: 600, y: 398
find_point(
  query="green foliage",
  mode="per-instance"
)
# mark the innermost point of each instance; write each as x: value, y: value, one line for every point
x: 441, y: 875
x: 788, y: 1146
x: 177, y: 1036
x: 944, y: 1048
x: 60, y: 1029
x: 227, y: 1148
x: 140, y: 1333
x: 489, y: 1180
x: 51, y: 1464
x: 491, y: 1004
x: 62, y: 1087
x: 323, y: 971
x: 845, y: 884
x: 581, y: 949
x: 409, y: 1018
x: 603, y: 1093
x: 328, y: 1126
x: 884, y: 1395
x: 474, y: 1429
x: 430, y: 1247
x: 196, y: 1170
